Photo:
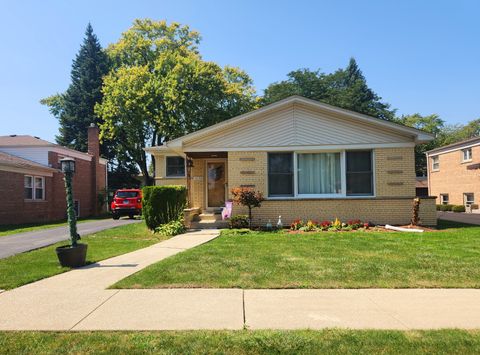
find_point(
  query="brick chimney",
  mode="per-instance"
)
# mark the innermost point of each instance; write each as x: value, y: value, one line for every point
x: 93, y: 141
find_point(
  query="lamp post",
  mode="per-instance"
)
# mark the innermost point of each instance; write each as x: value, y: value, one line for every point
x: 75, y: 254
x: 68, y: 169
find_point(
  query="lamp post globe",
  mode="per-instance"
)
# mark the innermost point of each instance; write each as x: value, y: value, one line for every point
x: 67, y: 165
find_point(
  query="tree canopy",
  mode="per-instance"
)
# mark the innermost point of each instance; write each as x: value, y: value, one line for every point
x: 160, y: 88
x: 346, y: 88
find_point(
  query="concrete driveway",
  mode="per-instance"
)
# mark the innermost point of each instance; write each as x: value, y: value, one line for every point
x: 22, y: 242
x: 469, y: 218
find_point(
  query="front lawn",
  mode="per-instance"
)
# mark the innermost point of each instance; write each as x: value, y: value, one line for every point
x: 446, y: 258
x: 329, y: 341
x: 8, y: 229
x: 37, y: 264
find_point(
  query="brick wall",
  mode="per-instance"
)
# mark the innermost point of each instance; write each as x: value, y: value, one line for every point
x: 14, y: 209
x: 395, y: 172
x: 379, y: 211
x: 394, y: 187
x: 453, y: 178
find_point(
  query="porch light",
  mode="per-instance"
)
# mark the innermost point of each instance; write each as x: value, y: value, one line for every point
x: 190, y: 163
x: 67, y: 165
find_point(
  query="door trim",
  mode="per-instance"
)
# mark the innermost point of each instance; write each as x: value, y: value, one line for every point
x: 215, y: 160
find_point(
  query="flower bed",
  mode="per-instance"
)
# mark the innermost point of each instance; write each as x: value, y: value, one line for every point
x: 300, y: 226
x: 332, y: 226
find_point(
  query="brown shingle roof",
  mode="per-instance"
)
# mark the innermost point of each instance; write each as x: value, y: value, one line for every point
x: 23, y: 140
x: 31, y: 141
x: 17, y: 162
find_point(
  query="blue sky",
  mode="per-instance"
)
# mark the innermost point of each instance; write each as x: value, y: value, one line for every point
x: 420, y: 56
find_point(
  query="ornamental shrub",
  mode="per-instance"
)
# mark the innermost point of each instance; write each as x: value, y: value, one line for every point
x: 439, y: 207
x: 163, y: 204
x: 458, y: 208
x: 248, y: 197
x: 239, y: 221
x: 171, y: 228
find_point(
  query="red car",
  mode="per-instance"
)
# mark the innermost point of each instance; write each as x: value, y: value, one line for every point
x: 126, y: 202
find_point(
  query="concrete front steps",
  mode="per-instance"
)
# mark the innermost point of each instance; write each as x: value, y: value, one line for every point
x: 209, y: 220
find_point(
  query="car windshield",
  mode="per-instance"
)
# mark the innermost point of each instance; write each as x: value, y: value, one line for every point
x: 127, y: 194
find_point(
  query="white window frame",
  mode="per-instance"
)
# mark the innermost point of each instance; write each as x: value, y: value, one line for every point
x: 466, y: 201
x: 175, y: 176
x: 343, y: 172
x: 435, y: 160
x: 469, y: 155
x: 32, y: 187
x: 42, y: 179
x: 442, y: 199
x: 33, y: 177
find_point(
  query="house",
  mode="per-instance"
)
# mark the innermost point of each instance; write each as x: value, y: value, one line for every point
x: 308, y: 159
x: 32, y: 185
x: 454, y: 173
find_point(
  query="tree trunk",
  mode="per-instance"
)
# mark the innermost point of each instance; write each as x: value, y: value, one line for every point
x: 249, y: 217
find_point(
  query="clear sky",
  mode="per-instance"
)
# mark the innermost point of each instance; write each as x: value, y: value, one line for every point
x: 420, y: 56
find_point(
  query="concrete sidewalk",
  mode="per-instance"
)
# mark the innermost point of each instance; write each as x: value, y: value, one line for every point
x: 22, y: 242
x: 79, y: 300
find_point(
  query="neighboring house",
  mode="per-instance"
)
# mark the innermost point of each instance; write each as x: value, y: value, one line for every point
x: 32, y: 187
x: 309, y: 160
x: 454, y: 173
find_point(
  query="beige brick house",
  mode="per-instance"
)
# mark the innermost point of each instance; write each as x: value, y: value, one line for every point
x: 454, y: 173
x: 309, y: 160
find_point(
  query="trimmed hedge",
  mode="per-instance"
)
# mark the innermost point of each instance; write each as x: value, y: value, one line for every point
x: 163, y: 204
x: 458, y: 208
x: 444, y: 208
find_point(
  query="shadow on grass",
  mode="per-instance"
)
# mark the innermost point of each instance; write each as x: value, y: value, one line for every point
x: 444, y: 224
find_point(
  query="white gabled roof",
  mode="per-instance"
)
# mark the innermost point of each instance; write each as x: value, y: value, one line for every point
x: 296, y: 121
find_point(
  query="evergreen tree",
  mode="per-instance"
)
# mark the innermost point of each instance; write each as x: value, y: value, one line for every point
x: 75, y: 108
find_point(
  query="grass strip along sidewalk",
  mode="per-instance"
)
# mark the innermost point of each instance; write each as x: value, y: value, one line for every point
x: 9, y: 229
x: 37, y: 264
x: 329, y: 341
x: 447, y: 258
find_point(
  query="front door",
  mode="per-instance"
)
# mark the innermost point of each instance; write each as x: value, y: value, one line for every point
x: 216, y: 184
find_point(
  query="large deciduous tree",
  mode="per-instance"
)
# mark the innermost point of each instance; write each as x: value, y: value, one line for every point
x: 346, y: 88
x: 75, y: 109
x: 160, y: 88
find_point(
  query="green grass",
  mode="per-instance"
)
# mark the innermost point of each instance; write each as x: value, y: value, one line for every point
x: 329, y: 341
x: 37, y: 264
x: 446, y: 258
x: 8, y: 229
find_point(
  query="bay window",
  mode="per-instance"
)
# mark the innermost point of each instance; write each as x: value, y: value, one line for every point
x: 320, y: 174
